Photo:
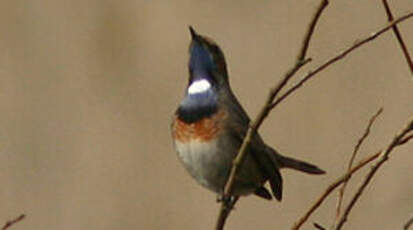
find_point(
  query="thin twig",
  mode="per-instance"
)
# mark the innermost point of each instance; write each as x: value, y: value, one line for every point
x: 398, y: 36
x: 331, y: 188
x: 406, y: 139
x: 397, y: 141
x: 310, y: 31
x: 301, y: 58
x: 318, y: 226
x: 409, y: 223
x: 353, y: 156
x: 301, y: 61
x: 12, y: 222
x: 340, y: 56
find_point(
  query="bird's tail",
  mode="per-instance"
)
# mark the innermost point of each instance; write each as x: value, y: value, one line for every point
x: 288, y: 162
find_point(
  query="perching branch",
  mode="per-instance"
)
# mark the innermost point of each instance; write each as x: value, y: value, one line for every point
x: 398, y: 36
x: 270, y: 103
x: 223, y: 214
x: 301, y: 61
x: 397, y: 141
x: 353, y: 156
x: 12, y: 222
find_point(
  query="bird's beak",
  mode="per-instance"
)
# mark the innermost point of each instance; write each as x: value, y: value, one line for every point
x: 194, y: 35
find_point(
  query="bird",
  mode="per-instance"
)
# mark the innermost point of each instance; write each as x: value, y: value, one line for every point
x: 210, y: 124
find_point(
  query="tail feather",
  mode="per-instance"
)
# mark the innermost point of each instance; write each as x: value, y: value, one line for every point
x: 276, y: 184
x: 263, y: 193
x: 287, y: 162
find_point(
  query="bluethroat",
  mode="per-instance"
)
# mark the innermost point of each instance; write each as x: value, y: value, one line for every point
x: 210, y: 124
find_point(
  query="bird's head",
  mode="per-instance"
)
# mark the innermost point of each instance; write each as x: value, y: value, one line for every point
x: 206, y: 61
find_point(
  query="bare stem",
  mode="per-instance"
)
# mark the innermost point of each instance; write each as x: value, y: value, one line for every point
x: 310, y: 30
x: 409, y: 223
x: 319, y: 226
x: 353, y: 156
x: 340, y: 56
x: 12, y: 222
x: 223, y: 214
x: 398, y: 36
x: 397, y: 141
x: 331, y: 188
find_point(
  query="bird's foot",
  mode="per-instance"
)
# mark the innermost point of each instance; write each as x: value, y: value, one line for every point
x: 229, y: 201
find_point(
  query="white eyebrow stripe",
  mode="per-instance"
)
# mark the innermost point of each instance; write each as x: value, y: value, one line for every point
x: 199, y: 86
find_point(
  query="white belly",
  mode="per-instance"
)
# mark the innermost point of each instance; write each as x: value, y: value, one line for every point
x: 204, y: 162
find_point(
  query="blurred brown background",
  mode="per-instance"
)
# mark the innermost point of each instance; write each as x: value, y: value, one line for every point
x: 87, y: 90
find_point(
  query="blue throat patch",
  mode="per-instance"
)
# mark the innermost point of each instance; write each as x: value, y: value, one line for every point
x: 200, y: 59
x: 195, y: 107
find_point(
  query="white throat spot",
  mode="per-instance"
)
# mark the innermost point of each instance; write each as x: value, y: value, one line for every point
x: 199, y: 86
